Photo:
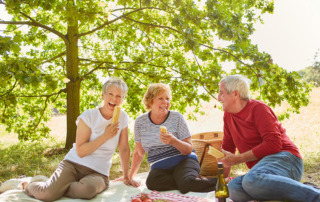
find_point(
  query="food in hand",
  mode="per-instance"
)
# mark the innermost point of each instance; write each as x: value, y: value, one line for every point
x: 116, y: 114
x: 163, y: 129
x: 216, y: 153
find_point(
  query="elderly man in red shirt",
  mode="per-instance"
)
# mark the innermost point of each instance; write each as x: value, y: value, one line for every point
x: 274, y: 161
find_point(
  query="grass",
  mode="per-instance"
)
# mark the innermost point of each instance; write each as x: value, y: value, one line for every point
x: 28, y: 159
x: 20, y: 159
x: 42, y: 158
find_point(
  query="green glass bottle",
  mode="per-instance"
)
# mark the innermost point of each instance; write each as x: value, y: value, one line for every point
x: 222, y: 192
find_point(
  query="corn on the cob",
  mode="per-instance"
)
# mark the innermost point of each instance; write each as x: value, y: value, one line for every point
x: 163, y: 129
x: 116, y: 114
x: 216, y: 153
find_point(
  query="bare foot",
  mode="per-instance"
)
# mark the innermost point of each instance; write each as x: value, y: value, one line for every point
x: 24, y: 185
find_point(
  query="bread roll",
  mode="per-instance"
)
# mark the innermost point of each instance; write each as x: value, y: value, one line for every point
x: 163, y: 129
x: 216, y: 153
x: 116, y: 114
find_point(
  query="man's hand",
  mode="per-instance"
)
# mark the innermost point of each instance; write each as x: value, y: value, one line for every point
x: 230, y: 159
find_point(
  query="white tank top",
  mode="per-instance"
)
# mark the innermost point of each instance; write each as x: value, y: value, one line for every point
x: 101, y: 159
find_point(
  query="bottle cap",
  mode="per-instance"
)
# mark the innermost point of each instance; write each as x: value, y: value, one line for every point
x: 220, y: 165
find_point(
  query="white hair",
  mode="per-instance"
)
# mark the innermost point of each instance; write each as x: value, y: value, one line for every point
x: 117, y: 82
x: 237, y: 82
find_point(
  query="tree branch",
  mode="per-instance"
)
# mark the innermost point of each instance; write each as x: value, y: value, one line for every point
x: 221, y: 50
x: 250, y: 66
x: 32, y: 22
x: 55, y: 57
x: 195, y: 57
x: 44, y: 109
x: 160, y: 26
x: 90, y: 72
x: 49, y: 95
x: 114, y: 20
x: 42, y: 113
x: 10, y: 90
x: 4, y: 111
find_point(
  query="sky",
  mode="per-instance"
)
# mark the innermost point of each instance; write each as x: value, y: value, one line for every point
x: 291, y: 35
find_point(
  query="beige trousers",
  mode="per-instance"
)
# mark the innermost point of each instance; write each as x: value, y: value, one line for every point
x: 71, y: 180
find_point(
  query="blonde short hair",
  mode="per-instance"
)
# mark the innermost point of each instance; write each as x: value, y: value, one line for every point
x: 153, y: 91
x: 237, y: 82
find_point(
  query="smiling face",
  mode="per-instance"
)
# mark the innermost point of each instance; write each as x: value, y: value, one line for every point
x: 112, y: 97
x: 161, y: 103
x: 227, y: 100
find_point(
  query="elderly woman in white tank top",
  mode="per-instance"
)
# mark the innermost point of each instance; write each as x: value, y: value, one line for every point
x: 84, y: 171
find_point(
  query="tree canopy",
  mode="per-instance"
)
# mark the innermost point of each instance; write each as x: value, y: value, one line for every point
x: 70, y: 44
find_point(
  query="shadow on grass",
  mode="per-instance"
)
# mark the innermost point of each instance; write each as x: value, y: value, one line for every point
x: 311, y: 168
x: 29, y: 159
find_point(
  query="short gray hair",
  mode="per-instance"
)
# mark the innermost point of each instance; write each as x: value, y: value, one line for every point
x: 237, y: 82
x: 117, y: 82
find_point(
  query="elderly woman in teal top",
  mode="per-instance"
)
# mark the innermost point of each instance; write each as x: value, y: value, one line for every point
x: 174, y: 164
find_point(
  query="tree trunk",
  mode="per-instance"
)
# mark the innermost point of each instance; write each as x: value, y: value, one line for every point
x: 73, y: 111
x: 73, y: 86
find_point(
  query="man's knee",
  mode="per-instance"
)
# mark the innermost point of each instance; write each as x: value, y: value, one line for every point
x: 236, y: 191
x: 252, y: 184
x: 234, y: 188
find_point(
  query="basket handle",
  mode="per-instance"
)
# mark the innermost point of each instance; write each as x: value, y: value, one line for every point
x: 203, y: 153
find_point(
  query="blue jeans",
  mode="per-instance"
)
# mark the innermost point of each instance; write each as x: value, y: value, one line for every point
x: 275, y: 177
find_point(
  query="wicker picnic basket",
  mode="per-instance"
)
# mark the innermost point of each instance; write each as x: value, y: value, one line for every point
x: 201, y: 143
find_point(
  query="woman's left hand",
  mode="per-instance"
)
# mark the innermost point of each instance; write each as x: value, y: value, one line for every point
x: 167, y: 138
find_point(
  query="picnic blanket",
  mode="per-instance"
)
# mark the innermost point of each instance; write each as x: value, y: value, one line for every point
x: 119, y: 192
